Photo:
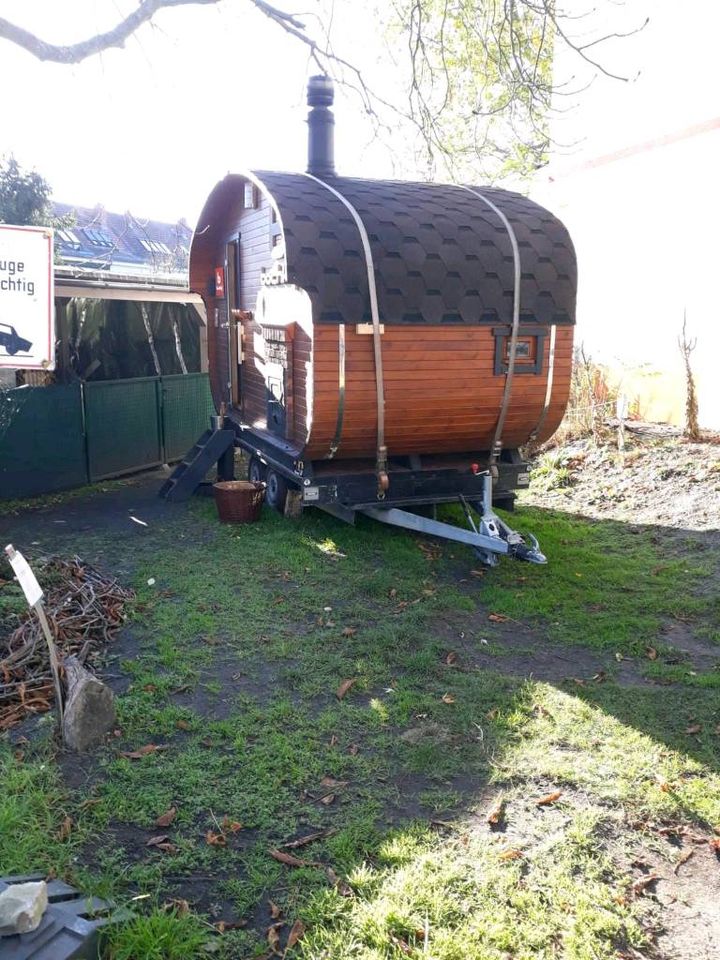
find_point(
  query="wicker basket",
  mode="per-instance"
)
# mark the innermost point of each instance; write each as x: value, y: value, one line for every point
x: 239, y: 501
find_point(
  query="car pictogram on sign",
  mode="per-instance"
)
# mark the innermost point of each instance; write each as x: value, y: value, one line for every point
x: 12, y: 341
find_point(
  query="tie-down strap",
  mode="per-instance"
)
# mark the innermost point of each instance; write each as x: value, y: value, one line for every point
x: 377, y: 343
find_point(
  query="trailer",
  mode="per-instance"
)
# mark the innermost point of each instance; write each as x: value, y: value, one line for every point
x: 382, y: 346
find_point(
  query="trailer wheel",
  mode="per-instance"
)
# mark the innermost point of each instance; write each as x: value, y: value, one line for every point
x: 256, y: 470
x: 277, y: 491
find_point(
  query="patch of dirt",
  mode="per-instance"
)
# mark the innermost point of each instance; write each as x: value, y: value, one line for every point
x: 515, y: 649
x: 678, y: 909
x: 684, y: 919
x: 664, y: 481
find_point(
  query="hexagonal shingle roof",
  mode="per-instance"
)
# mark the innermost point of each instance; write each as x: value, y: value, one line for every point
x: 441, y: 256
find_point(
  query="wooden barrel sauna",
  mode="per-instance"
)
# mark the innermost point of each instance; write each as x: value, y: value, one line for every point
x: 333, y: 300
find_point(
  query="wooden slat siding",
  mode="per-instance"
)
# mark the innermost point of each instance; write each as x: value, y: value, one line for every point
x: 441, y: 395
x: 255, y: 250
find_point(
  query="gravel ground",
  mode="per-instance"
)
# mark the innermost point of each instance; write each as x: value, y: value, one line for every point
x: 660, y: 479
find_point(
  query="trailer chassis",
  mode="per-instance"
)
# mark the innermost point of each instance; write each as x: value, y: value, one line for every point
x: 345, y: 494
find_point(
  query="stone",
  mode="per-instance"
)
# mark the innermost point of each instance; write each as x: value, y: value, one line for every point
x: 89, y: 708
x: 22, y: 907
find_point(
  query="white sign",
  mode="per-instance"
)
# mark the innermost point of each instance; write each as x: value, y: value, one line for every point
x: 26, y: 578
x: 27, y: 315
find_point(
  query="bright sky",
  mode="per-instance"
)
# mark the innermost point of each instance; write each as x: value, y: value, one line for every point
x: 209, y: 89
x: 152, y: 127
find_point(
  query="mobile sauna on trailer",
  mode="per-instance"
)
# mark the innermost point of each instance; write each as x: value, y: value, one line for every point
x: 378, y: 345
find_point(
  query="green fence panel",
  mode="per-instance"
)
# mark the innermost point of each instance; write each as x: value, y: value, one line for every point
x: 187, y: 406
x: 122, y: 424
x: 42, y: 444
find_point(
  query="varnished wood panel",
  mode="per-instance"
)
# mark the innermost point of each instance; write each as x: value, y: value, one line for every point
x: 441, y: 392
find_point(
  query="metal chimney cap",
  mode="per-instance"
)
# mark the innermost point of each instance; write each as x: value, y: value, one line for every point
x: 320, y: 91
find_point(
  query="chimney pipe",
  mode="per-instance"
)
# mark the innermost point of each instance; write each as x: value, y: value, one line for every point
x: 321, y: 124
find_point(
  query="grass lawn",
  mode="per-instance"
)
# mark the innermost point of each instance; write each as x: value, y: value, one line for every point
x: 472, y: 693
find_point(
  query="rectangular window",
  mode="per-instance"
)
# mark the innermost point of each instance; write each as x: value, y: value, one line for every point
x: 529, y: 349
x: 97, y: 237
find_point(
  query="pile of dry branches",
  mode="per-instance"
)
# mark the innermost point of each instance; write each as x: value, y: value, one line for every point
x: 84, y: 608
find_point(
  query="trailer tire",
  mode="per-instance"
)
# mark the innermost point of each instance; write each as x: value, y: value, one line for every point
x: 276, y: 491
x: 257, y: 471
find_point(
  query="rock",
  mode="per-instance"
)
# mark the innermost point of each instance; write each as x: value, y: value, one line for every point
x: 89, y: 708
x: 22, y: 907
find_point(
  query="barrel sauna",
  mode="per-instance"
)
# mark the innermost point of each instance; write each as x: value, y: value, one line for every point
x: 364, y: 328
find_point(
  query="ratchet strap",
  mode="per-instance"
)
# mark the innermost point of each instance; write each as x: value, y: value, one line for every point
x: 496, y: 447
x: 381, y: 455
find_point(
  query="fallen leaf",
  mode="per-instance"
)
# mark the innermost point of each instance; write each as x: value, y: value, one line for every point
x: 392, y: 593
x: 215, y: 839
x: 694, y: 728
x: 683, y: 858
x: 511, y: 854
x: 451, y: 658
x: 332, y: 782
x: 642, y: 883
x: 161, y: 842
x: 65, y: 828
x: 651, y: 653
x: 664, y: 785
x: 548, y: 799
x: 344, y: 687
x: 143, y: 751
x: 230, y: 826
x: 275, y: 911
x: 714, y: 844
x: 579, y: 682
x: 448, y: 698
x: 342, y: 888
x: 273, y: 937
x: 150, y: 688
x: 222, y: 925
x: 498, y: 618
x: 333, y: 741
x: 167, y: 818
x: 353, y: 749
x: 182, y: 724
x: 289, y: 860
x: 492, y: 714
x: 296, y: 933
x: 349, y: 632
x: 304, y: 841
x: 327, y: 799
x: 402, y: 946
x: 477, y: 573
x: 155, y: 841
x: 180, y: 907
x: 497, y: 814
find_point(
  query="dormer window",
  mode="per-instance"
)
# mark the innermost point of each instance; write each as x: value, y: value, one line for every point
x: 156, y: 246
x: 97, y: 237
x: 68, y: 237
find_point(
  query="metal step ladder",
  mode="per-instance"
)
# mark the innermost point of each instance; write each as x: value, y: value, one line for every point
x: 213, y: 445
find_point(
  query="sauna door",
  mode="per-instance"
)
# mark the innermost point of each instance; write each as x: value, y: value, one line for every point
x: 232, y: 279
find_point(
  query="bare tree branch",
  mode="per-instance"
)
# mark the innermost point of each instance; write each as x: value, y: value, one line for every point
x: 77, y: 52
x: 480, y: 84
